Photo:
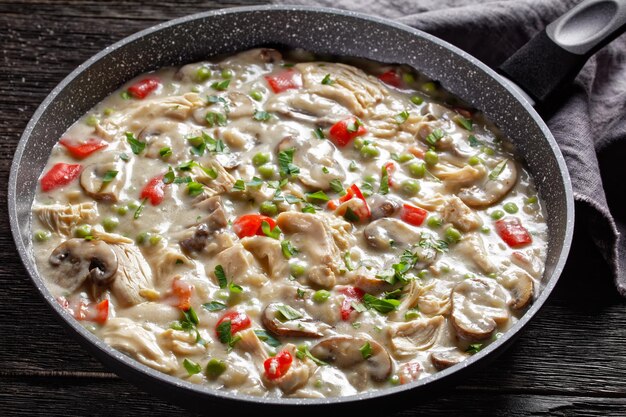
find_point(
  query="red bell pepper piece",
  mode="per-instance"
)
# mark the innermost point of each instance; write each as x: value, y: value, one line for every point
x: 283, y: 81
x: 85, y: 311
x: 182, y: 290
x: 391, y: 77
x: 277, y: 366
x: 154, y: 190
x: 512, y: 232
x: 83, y: 150
x: 390, y: 167
x: 238, y: 321
x: 345, y: 130
x: 59, y: 175
x: 352, y: 294
x: 409, y: 372
x: 142, y: 88
x: 250, y: 225
x: 413, y: 215
x: 354, y: 192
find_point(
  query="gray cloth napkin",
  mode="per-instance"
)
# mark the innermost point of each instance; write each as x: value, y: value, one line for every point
x: 590, y: 126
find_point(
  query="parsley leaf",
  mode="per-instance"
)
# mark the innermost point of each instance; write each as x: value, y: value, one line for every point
x: 165, y: 152
x: 285, y: 163
x: 366, y: 350
x: 267, y: 338
x: 473, y: 142
x: 434, y: 137
x: 493, y: 175
x: 288, y: 312
x: 317, y: 196
x: 327, y: 80
x: 140, y: 209
x: 191, y: 367
x: 224, y: 332
x: 467, y: 124
x: 288, y: 250
x: 384, y: 181
x: 194, y: 188
x: 214, y: 306
x: 135, y: 145
x: 221, y: 276
x: 309, y: 208
x: 303, y: 352
x: 337, y: 186
x: 215, y: 119
x: 383, y: 306
x: 220, y: 85
x: 319, y: 133
x: 261, y: 116
x: 108, y: 177
x: 474, y: 348
x: 351, y: 216
x: 354, y: 125
x: 268, y: 231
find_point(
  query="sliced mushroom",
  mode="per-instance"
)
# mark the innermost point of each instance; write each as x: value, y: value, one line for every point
x: 416, y: 335
x: 390, y: 233
x: 311, y: 157
x: 268, y: 252
x: 215, y: 221
x: 521, y: 286
x: 76, y: 260
x: 197, y: 241
x: 446, y: 358
x: 383, y: 206
x: 305, y: 107
x: 61, y: 218
x: 92, y: 181
x: 240, y: 105
x: 490, y: 191
x: 473, y: 248
x: 461, y: 216
x: 479, y: 306
x: 305, y: 326
x: 346, y: 352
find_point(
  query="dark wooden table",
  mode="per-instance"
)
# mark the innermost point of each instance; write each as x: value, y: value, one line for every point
x: 570, y: 360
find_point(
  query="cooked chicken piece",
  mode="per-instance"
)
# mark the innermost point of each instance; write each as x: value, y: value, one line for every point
x: 92, y: 180
x: 197, y: 238
x: 521, y: 286
x: 410, y: 296
x: 479, y: 306
x: 342, y: 233
x: 346, y: 352
x: 213, y: 185
x: 251, y: 344
x: 269, y: 255
x: 411, y: 337
x: 459, y: 177
x: 434, y: 298
x: 181, y: 342
x: 62, y: 219
x: 364, y: 279
x: 133, y: 274
x: 129, y: 337
x: 237, y: 263
x: 174, y: 107
x: 274, y: 321
x: 472, y: 247
x: 98, y: 233
x: 528, y: 261
x: 167, y: 133
x: 310, y: 233
x: 243, y: 60
x: 493, y: 188
x: 461, y: 216
x: 351, y: 87
x: 311, y: 156
x: 166, y: 262
x: 446, y: 358
x: 298, y: 374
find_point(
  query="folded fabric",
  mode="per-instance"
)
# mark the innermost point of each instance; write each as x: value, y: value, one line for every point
x: 590, y: 125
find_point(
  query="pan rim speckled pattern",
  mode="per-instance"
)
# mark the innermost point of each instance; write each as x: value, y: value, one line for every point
x: 158, y: 381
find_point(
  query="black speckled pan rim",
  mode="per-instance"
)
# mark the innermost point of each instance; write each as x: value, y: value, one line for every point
x: 136, y: 371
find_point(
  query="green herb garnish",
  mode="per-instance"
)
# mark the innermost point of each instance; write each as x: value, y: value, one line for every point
x: 221, y: 276
x: 194, y: 188
x: 214, y: 306
x: 434, y: 137
x: 288, y: 249
x: 135, y: 145
x: 327, y: 80
x: 493, y: 175
x: 220, y: 85
x: 366, y: 350
x: 288, y: 312
x: 191, y: 367
x: 383, y: 306
x: 319, y: 133
x: 261, y: 116
x: 267, y: 338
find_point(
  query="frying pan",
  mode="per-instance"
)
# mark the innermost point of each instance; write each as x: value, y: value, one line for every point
x: 541, y: 68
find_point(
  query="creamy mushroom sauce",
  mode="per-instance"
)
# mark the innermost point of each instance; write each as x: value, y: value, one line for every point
x: 350, y: 294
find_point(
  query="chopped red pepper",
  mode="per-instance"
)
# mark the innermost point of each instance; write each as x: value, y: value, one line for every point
x: 283, y: 81
x: 352, y: 294
x: 391, y: 77
x: 83, y: 150
x: 182, y: 290
x: 238, y: 321
x: 101, y: 313
x: 409, y: 372
x: 85, y: 311
x: 417, y: 152
x: 142, y: 88
x: 345, y: 130
x: 154, y: 190
x: 277, y: 366
x: 390, y: 167
x: 354, y: 192
x: 59, y: 175
x: 413, y: 215
x: 250, y: 225
x: 512, y: 232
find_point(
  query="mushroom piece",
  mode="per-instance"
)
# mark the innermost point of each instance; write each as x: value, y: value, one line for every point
x: 241, y: 105
x: 383, y: 206
x: 493, y: 187
x: 275, y: 322
x: 521, y: 286
x: 456, y: 212
x: 197, y: 241
x: 76, y: 260
x: 479, y: 306
x: 416, y: 335
x: 311, y: 157
x: 446, y: 358
x: 307, y: 108
x: 346, y: 352
x: 215, y: 221
x: 92, y: 181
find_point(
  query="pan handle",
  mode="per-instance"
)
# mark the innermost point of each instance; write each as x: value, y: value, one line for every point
x: 552, y: 59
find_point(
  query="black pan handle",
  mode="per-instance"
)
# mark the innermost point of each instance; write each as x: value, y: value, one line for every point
x: 553, y: 58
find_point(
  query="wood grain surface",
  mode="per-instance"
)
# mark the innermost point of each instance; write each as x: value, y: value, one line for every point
x: 571, y: 360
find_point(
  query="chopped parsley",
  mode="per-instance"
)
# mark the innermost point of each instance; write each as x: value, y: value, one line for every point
x: 221, y: 276
x: 473, y: 142
x: 139, y: 209
x: 288, y: 249
x: 214, y: 306
x: 135, y: 145
x: 108, y: 177
x: 189, y: 322
x: 269, y: 232
x: 474, y: 348
x: 354, y: 125
x: 194, y: 188
x: 191, y: 367
x: 267, y: 338
x: 337, y: 186
x: 351, y: 216
x: 434, y: 137
x: 288, y: 312
x: 327, y: 80
x: 261, y: 116
x: 285, y: 163
x: 317, y: 196
x: 401, y: 117
x: 303, y: 352
x: 240, y: 185
x: 366, y: 350
x: 383, y: 306
x: 165, y: 152
x: 220, y: 85
x: 319, y: 133
x: 215, y: 119
x: 493, y: 175
x: 467, y: 124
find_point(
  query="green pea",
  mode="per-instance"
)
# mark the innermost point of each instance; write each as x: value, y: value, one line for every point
x: 227, y: 74
x: 510, y: 208
x: 358, y: 143
x: 405, y: 157
x: 394, y: 380
x: 134, y: 205
x: 42, y: 235
x: 422, y: 274
x: 417, y: 169
x: 370, y: 151
x: 267, y: 171
x: 497, y: 214
x: 531, y: 200
x: 297, y: 269
x: 142, y: 238
x: 203, y: 74
x: 122, y: 210
x: 473, y: 160
x: 485, y: 230
x: 256, y: 95
x: 453, y: 235
x: 155, y: 239
x: 410, y: 187
x: 110, y: 223
x: 91, y: 120
x: 488, y: 151
x: 321, y: 296
x: 108, y: 111
x: 417, y: 100
x: 429, y: 87
x: 215, y: 368
x: 434, y: 222
x: 82, y: 231
x: 268, y: 208
x: 408, y: 78
x: 431, y: 157
x: 411, y: 315
x: 260, y: 159
x: 369, y: 178
x: 125, y: 95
